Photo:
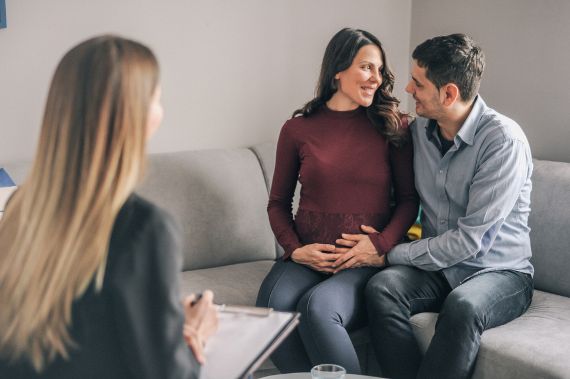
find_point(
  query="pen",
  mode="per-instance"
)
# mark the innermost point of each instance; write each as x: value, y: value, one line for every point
x: 196, y: 300
x: 238, y: 309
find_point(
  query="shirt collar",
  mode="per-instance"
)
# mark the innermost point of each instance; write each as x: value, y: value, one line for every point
x: 467, y: 131
x: 469, y: 127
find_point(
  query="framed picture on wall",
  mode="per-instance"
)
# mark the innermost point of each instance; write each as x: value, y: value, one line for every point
x: 3, y: 14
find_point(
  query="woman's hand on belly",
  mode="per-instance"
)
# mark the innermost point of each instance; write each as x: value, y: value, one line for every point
x: 359, y: 251
x: 318, y: 256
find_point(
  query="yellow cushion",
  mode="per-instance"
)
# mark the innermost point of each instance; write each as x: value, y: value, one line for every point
x: 415, y: 232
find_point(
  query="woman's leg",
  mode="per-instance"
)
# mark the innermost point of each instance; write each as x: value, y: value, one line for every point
x: 281, y: 290
x: 329, y: 311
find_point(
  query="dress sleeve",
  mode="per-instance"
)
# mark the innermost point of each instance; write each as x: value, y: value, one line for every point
x: 147, y: 305
x: 407, y: 199
x: 280, y: 206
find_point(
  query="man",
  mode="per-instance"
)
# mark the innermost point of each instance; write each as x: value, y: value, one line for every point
x: 472, y: 170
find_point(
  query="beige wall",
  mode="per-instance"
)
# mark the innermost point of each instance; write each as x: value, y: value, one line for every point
x: 527, y: 45
x: 233, y: 71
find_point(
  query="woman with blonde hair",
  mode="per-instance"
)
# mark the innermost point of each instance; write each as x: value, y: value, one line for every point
x: 88, y: 270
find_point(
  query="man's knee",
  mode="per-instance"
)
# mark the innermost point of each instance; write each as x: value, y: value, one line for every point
x: 386, y: 283
x: 460, y: 309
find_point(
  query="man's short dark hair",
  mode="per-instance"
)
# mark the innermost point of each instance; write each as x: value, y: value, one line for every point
x: 455, y: 58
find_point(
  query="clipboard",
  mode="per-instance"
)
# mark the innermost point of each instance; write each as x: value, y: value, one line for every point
x: 245, y: 338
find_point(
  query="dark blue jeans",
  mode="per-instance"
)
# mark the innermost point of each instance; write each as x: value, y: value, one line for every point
x: 330, y: 307
x: 484, y: 301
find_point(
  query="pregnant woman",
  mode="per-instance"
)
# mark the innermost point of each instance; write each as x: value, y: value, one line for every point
x: 349, y: 148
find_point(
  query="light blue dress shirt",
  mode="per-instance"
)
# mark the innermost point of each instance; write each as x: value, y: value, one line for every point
x: 475, y: 198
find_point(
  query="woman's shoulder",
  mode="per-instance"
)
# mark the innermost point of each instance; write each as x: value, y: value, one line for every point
x: 298, y: 123
x: 143, y: 231
x: 137, y: 213
x: 298, y: 120
x: 137, y: 205
x: 294, y: 128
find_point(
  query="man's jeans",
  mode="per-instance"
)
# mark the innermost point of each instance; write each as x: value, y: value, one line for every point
x: 484, y: 301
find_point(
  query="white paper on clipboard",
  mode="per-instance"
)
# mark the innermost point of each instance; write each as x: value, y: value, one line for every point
x: 244, y: 340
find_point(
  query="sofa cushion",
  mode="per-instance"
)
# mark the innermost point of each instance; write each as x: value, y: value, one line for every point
x: 535, y: 345
x: 549, y: 221
x: 219, y: 198
x: 233, y: 284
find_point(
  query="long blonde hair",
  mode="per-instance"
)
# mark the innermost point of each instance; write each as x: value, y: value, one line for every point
x: 56, y: 229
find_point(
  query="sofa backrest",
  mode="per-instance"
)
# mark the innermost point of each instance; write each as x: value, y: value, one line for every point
x: 219, y: 198
x: 265, y: 152
x: 550, y: 226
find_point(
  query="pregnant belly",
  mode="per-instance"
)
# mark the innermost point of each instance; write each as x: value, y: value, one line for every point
x: 322, y: 227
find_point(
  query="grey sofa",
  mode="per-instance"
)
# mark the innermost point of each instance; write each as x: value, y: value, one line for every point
x: 219, y: 197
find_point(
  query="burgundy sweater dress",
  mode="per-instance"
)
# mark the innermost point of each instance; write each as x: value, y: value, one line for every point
x: 347, y: 170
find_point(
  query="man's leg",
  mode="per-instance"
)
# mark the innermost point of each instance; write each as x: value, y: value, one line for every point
x: 393, y: 296
x: 482, y: 302
x: 329, y: 311
x: 281, y: 290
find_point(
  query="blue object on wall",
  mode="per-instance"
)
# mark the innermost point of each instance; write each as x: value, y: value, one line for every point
x: 3, y: 22
x: 5, y: 179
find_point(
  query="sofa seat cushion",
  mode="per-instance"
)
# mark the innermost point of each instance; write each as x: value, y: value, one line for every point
x: 535, y: 345
x: 232, y: 284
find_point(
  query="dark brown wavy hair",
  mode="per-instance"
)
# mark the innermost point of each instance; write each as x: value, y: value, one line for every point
x: 339, y: 54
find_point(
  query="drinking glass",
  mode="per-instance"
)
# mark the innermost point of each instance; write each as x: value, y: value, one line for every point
x: 328, y: 371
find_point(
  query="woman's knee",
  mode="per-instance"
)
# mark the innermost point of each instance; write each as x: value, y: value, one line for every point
x: 269, y: 291
x: 284, y: 286
x: 318, y: 305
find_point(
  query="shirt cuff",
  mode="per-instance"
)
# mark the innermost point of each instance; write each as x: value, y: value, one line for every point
x: 408, y: 253
x: 399, y: 255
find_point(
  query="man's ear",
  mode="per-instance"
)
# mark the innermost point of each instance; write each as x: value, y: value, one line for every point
x: 449, y: 94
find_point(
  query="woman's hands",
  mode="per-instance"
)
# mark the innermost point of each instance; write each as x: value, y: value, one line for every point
x: 318, y: 256
x: 201, y: 321
x: 359, y: 251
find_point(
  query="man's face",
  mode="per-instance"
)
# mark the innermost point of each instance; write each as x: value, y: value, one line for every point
x: 425, y: 93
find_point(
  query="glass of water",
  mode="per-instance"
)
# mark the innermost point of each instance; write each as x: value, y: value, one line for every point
x: 328, y: 371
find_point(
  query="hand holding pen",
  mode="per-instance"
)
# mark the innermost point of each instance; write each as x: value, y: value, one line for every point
x: 201, y: 322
